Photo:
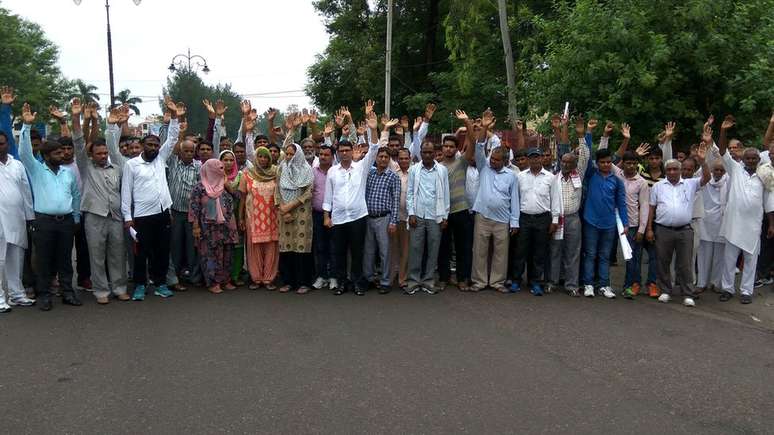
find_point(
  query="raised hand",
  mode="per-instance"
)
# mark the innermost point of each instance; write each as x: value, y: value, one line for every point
x: 56, y: 113
x: 389, y: 123
x: 313, y: 116
x: 290, y: 121
x: 248, y: 123
x: 361, y: 128
x: 123, y: 113
x: 246, y: 107
x: 728, y: 122
x: 180, y: 109
x: 711, y: 120
x: 519, y: 124
x: 609, y: 127
x: 461, y: 115
x: 706, y: 135
x: 328, y: 128
x: 271, y: 114
x: 113, y: 116
x: 345, y: 112
x: 669, y: 130
x: 167, y: 116
x: 220, y: 108
x: 28, y: 117
x: 298, y: 119
x: 75, y: 107
x: 369, y: 107
x: 429, y: 111
x: 404, y: 122
x: 625, y: 130
x: 6, y: 95
x: 487, y: 119
x: 210, y: 110
x: 183, y: 128
x: 253, y: 115
x: 417, y: 123
x: 701, y: 151
x: 592, y: 124
x: 345, y: 130
x: 169, y: 104
x: 371, y: 121
x: 580, y: 126
x: 556, y: 121
x: 384, y: 119
x: 304, y: 116
x: 339, y: 118
x: 643, y: 149
x: 94, y: 111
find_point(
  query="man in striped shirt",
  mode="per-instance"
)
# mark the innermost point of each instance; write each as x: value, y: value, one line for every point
x: 183, y: 174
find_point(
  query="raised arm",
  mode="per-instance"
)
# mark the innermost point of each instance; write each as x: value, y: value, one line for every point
x: 728, y: 122
x: 701, y: 153
x: 666, y: 143
x: 79, y: 142
x: 112, y: 137
x: 25, y: 143
x: 59, y: 116
x: 6, y: 118
x: 769, y: 136
x: 470, y: 148
x: 174, y: 128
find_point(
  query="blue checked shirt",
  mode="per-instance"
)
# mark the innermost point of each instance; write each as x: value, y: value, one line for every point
x: 383, y: 193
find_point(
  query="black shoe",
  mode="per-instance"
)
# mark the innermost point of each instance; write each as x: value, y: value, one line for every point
x: 5, y: 310
x: 71, y: 300
x: 745, y: 299
x: 725, y: 297
x: 339, y: 291
x: 384, y: 290
x: 44, y: 304
x: 359, y: 292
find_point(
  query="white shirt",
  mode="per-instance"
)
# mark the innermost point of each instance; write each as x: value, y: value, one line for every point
x: 765, y: 157
x: 714, y: 196
x: 15, y: 202
x: 345, y: 188
x: 674, y: 202
x: 747, y: 201
x: 144, y: 190
x: 539, y: 193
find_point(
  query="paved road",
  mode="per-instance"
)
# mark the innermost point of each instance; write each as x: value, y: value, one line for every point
x: 479, y: 363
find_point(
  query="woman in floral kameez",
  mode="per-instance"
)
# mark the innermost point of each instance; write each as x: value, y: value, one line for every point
x: 258, y: 219
x: 214, y: 226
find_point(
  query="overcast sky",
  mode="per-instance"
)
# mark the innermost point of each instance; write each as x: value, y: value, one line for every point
x: 259, y: 46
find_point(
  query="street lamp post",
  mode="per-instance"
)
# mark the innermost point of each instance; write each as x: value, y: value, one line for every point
x: 110, y: 48
x: 185, y: 61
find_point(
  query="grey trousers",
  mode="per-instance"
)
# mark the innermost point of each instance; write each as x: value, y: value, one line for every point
x: 182, y: 247
x: 105, y: 238
x: 377, y: 238
x: 430, y: 231
x: 680, y: 244
x: 565, y: 254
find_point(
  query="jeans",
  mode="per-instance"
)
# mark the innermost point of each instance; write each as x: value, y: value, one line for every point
x: 597, y: 244
x: 650, y: 248
x: 427, y: 230
x: 633, y: 266
x: 322, y: 246
x: 377, y: 241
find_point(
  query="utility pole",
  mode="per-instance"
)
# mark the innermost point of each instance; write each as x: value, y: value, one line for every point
x: 509, y: 63
x: 388, y: 60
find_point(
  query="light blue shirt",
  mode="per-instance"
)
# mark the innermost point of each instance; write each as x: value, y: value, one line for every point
x: 498, y: 191
x: 55, y: 193
x: 426, y: 195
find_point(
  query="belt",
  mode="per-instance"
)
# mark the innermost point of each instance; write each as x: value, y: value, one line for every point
x: 55, y: 217
x: 378, y: 215
x: 680, y: 228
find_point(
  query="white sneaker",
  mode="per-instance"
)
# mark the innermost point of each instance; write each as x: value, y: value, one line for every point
x: 21, y: 301
x: 333, y: 284
x: 608, y: 292
x: 688, y: 302
x: 588, y: 291
x: 664, y: 298
x: 320, y: 282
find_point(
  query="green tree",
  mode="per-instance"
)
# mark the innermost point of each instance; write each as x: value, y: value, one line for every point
x: 124, y: 97
x: 86, y: 92
x: 186, y: 86
x: 28, y: 62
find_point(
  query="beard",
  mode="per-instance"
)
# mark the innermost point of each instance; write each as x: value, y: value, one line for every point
x: 150, y: 155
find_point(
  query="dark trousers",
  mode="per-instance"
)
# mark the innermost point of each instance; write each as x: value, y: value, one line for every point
x: 53, y: 239
x: 82, y: 265
x: 531, y: 246
x: 765, y: 264
x: 184, y: 255
x: 460, y: 229
x: 153, y: 239
x: 296, y: 269
x: 350, y: 237
x: 322, y: 246
x: 677, y: 242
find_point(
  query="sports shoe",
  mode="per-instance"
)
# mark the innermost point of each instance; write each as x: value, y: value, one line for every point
x: 139, y: 293
x: 653, y: 290
x: 4, y: 308
x: 411, y: 291
x: 745, y: 299
x: 163, y: 291
x: 628, y: 293
x: 573, y: 292
x: 588, y: 291
x: 21, y: 301
x: 607, y: 292
x: 429, y: 291
x: 763, y: 282
x: 636, y: 289
x: 333, y: 284
x: 515, y: 287
x: 536, y: 290
x: 664, y: 298
x: 320, y: 282
x: 688, y: 302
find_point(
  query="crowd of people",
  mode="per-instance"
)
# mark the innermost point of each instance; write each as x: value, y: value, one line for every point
x: 374, y: 205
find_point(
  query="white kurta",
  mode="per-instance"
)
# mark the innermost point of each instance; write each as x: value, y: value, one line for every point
x: 747, y: 201
x: 714, y: 196
x: 15, y: 202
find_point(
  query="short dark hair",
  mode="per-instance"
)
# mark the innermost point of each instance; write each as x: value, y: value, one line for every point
x: 124, y: 139
x: 204, y: 142
x: 34, y: 134
x: 65, y: 141
x: 382, y: 150
x: 223, y: 139
x: 604, y: 153
x: 2, y: 133
x: 149, y: 136
x: 327, y: 147
x: 692, y: 159
x: 261, y: 137
x: 274, y: 145
x: 49, y: 146
x: 630, y: 156
x: 240, y: 145
x: 345, y: 143
x: 394, y: 137
x: 656, y: 151
x: 406, y: 150
x: 521, y: 152
x: 451, y: 139
x: 99, y: 141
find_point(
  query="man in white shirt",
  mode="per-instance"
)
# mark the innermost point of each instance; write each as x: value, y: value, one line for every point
x: 671, y: 212
x: 539, y: 210
x: 710, y: 257
x: 145, y: 203
x: 15, y: 211
x: 748, y: 201
x: 345, y: 209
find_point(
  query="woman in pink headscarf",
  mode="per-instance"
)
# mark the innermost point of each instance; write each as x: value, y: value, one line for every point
x: 214, y: 226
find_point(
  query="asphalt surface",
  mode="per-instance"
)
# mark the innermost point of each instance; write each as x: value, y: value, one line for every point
x: 258, y: 361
